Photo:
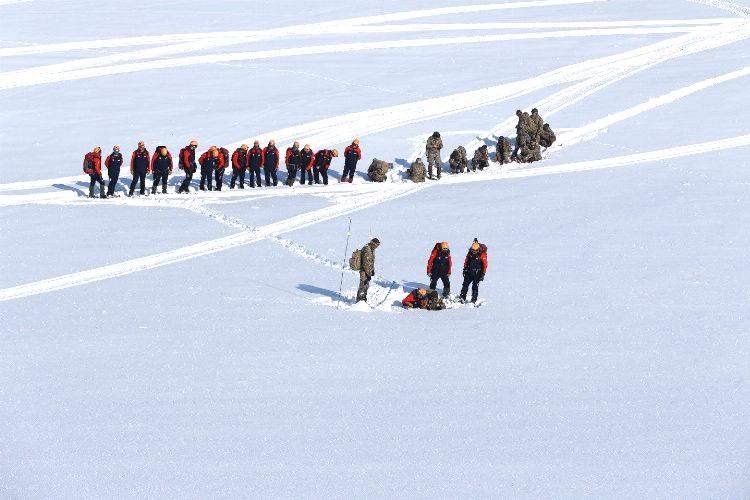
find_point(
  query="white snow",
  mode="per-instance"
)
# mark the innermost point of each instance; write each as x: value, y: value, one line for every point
x: 198, y: 345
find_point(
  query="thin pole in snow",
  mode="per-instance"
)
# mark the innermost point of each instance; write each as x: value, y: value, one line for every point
x: 343, y: 262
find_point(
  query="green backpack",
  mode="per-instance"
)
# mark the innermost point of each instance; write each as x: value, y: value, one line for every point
x: 355, y: 262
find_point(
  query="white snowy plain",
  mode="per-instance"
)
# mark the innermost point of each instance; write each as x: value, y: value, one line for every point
x: 196, y: 346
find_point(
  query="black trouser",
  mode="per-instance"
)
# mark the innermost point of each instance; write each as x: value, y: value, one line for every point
x: 291, y: 174
x: 138, y: 175
x: 473, y: 280
x: 254, y: 176
x: 219, y: 178
x: 270, y: 174
x: 206, y: 175
x: 185, y: 186
x: 160, y: 176
x: 446, y: 283
x: 114, y: 174
x: 96, y: 179
x: 320, y: 172
x: 348, y: 172
x: 238, y: 172
x: 302, y: 173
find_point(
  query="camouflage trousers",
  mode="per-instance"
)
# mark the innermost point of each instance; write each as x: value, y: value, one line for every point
x: 433, y: 159
x: 364, y: 284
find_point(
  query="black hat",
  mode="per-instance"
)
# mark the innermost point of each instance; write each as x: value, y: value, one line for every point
x: 375, y: 240
x: 534, y: 111
x: 436, y: 134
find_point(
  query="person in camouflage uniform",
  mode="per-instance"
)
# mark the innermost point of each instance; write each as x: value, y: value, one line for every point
x: 503, y: 152
x: 458, y: 160
x: 546, y: 136
x: 367, y: 269
x: 417, y: 171
x: 434, y: 145
x: 522, y: 141
x: 535, y: 124
x: 522, y: 128
x: 378, y: 170
x: 481, y: 158
x: 530, y: 152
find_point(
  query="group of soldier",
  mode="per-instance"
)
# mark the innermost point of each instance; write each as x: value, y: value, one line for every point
x: 312, y: 166
x: 439, y: 267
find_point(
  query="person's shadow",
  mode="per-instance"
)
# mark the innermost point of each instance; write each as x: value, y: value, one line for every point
x: 65, y: 187
x: 316, y: 290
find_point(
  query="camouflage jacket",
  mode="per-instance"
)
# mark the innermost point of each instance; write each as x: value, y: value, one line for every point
x: 547, y: 136
x: 535, y: 124
x: 458, y: 157
x: 481, y: 155
x: 368, y: 260
x: 503, y: 147
x: 434, y: 145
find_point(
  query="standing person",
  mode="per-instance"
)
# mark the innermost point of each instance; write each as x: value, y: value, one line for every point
x: 254, y: 159
x: 92, y: 165
x: 535, y: 124
x: 291, y: 161
x: 140, y: 161
x: 475, y: 267
x: 502, y: 154
x: 306, y: 159
x: 224, y: 155
x: 367, y: 268
x: 239, y: 164
x: 161, y: 167
x: 481, y: 158
x: 186, y: 162
x: 434, y: 145
x: 352, y: 154
x: 522, y: 130
x: 322, y: 163
x: 209, y: 161
x: 113, y: 163
x: 439, y: 267
x: 271, y: 162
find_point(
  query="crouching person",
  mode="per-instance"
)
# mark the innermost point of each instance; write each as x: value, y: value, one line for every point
x: 422, y: 299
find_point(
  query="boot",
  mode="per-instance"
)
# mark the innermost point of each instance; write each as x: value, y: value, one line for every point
x: 447, y: 291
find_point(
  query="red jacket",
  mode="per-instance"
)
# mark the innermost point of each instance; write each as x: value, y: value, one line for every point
x: 434, y: 255
x: 236, y: 159
x: 413, y: 301
x: 92, y: 163
x: 470, y: 260
x: 205, y: 156
x: 306, y: 158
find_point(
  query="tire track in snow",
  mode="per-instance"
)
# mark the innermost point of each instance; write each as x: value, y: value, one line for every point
x: 388, y: 193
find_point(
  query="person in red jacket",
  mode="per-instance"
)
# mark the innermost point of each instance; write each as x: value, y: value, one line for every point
x: 352, y: 154
x: 271, y: 162
x: 92, y: 165
x: 139, y: 165
x: 219, y: 176
x: 322, y: 162
x: 417, y: 299
x: 239, y: 165
x: 291, y: 161
x: 210, y: 161
x: 439, y: 267
x: 475, y: 267
x: 306, y: 159
x: 113, y: 162
x: 161, y: 168
x: 186, y: 162
x: 254, y: 159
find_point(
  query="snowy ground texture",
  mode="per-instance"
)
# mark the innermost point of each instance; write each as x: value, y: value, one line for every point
x: 197, y: 346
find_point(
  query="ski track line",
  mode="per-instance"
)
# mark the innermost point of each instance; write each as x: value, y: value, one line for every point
x: 205, y: 248
x: 315, y: 28
x: 40, y: 76
x: 389, y: 193
x: 732, y: 7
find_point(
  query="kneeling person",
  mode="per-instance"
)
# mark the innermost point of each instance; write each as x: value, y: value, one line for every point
x: 422, y: 299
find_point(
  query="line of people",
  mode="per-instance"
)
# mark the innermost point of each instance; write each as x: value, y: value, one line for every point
x: 312, y: 167
x: 439, y: 268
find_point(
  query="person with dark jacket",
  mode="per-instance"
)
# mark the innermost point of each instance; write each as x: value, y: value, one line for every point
x: 439, y: 267
x: 161, y: 167
x: 113, y: 162
x: 352, y: 154
x: 322, y: 163
x: 291, y: 161
x: 186, y: 163
x: 306, y: 159
x: 210, y: 161
x: 254, y: 159
x: 475, y: 267
x: 239, y: 165
x: 92, y: 165
x: 271, y: 162
x: 140, y: 161
x: 219, y: 172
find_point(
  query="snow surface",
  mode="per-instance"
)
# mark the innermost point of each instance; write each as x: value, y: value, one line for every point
x: 198, y: 346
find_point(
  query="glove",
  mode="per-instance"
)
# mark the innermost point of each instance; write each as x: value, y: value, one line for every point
x: 481, y: 277
x: 410, y: 306
x: 466, y: 273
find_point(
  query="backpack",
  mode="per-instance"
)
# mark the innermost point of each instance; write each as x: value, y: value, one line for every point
x: 355, y: 262
x: 181, y: 162
x: 88, y: 163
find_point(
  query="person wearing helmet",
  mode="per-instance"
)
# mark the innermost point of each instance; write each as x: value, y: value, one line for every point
x: 439, y: 267
x: 113, y: 163
x: 92, y: 165
x: 352, y: 155
x: 139, y: 165
x: 161, y: 168
x: 417, y: 299
x: 255, y: 163
x: 322, y: 163
x: 186, y: 162
x: 475, y: 267
x: 291, y: 160
x: 271, y: 163
x: 306, y: 160
x: 209, y: 161
x: 239, y: 165
x: 434, y: 145
x: 367, y: 269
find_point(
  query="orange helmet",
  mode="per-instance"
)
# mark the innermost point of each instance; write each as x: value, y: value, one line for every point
x: 444, y: 245
x: 421, y: 292
x: 475, y: 246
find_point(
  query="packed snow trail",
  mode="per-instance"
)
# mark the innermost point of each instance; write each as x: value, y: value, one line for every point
x: 388, y: 192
